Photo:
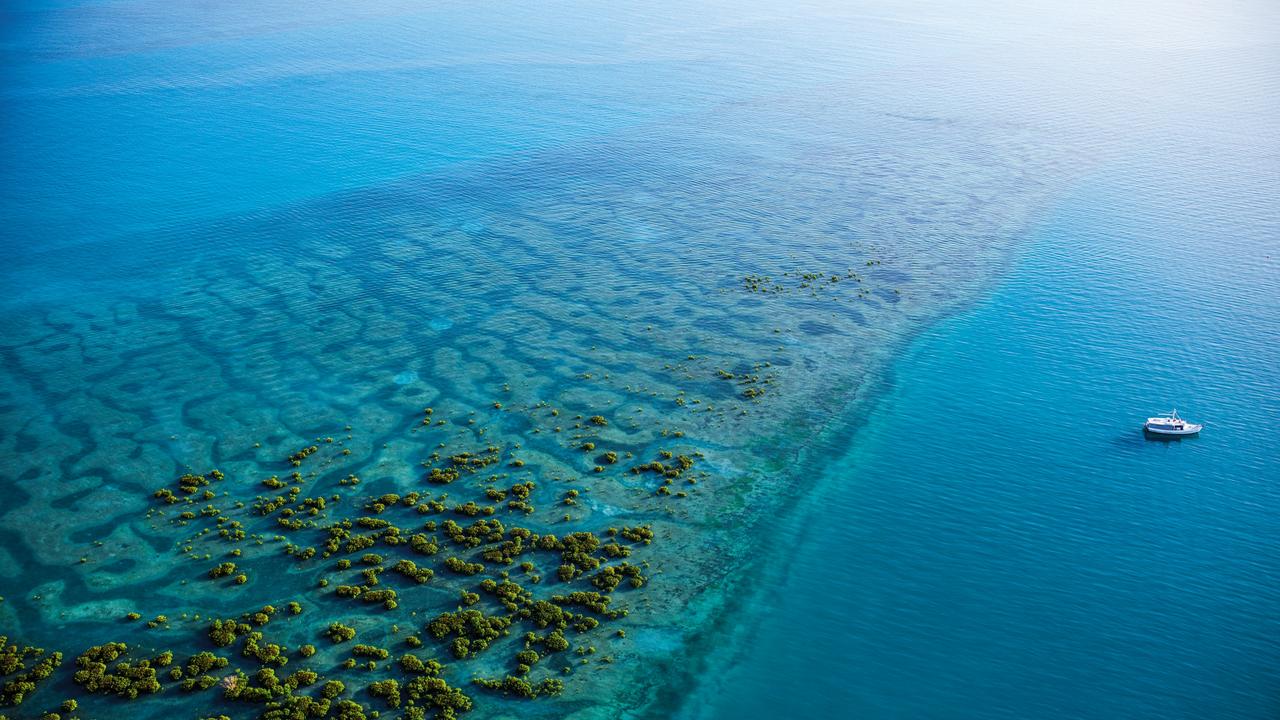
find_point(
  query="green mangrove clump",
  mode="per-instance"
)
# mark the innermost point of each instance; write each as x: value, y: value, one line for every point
x: 222, y: 570
x: 577, y: 553
x: 434, y: 693
x: 640, y: 534
x: 471, y: 509
x: 506, y: 551
x: 265, y: 653
x: 413, y: 664
x: 338, y: 632
x: 462, y: 567
x: 190, y: 483
x: 195, y: 675
x: 410, y: 570
x: 13, y: 662
x: 296, y: 458
x: 519, y: 687
x: 423, y: 544
x: 672, y: 470
x: 225, y: 632
x: 592, y: 601
x: 100, y: 669
x: 388, y: 690
x: 610, y: 577
x: 473, y: 629
x: 442, y: 476
x: 332, y: 689
x: 370, y: 651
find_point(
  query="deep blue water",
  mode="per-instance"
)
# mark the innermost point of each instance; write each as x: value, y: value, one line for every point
x: 1003, y: 542
x: 231, y: 228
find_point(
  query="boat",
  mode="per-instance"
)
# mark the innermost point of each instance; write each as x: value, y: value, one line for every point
x: 1170, y: 425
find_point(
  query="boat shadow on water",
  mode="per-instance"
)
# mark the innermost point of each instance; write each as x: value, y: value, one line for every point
x: 1134, y: 441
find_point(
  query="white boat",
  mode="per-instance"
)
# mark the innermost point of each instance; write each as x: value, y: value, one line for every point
x: 1171, y: 425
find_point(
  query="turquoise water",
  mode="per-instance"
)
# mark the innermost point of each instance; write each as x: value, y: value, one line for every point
x: 235, y: 230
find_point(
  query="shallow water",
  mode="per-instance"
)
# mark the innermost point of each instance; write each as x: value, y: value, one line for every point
x: 235, y: 230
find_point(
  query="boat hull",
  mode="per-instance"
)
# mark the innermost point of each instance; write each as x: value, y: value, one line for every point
x: 1172, y: 433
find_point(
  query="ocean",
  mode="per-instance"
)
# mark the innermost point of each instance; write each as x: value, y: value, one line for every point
x: 856, y: 309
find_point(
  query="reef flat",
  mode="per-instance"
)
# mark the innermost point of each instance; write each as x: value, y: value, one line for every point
x: 500, y: 441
